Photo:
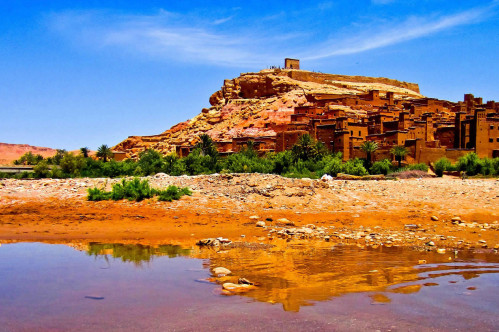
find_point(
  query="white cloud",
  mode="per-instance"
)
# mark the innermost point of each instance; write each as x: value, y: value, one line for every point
x: 177, y: 37
x: 412, y: 28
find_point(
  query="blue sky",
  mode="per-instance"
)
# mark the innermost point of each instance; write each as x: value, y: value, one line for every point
x: 86, y: 73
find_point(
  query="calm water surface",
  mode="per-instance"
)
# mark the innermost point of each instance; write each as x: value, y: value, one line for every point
x: 301, y: 287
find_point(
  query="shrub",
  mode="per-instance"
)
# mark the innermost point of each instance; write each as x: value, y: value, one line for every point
x: 381, y: 167
x: 354, y: 167
x: 418, y: 167
x: 72, y: 165
x: 470, y: 164
x: 42, y: 170
x: 333, y: 166
x: 96, y: 194
x: 173, y: 193
x: 150, y: 162
x: 443, y: 164
x: 136, y: 190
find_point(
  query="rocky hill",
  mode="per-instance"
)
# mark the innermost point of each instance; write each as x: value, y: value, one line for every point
x: 261, y: 104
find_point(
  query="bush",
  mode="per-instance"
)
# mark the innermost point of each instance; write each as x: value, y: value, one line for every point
x: 150, y: 162
x: 72, y: 165
x: 173, y: 193
x: 354, y: 167
x: 96, y: 194
x: 381, y: 167
x: 418, y: 167
x: 333, y: 166
x: 42, y: 170
x: 470, y: 164
x: 443, y: 164
x: 136, y: 190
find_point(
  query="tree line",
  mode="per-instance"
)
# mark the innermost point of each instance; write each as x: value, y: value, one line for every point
x: 307, y: 158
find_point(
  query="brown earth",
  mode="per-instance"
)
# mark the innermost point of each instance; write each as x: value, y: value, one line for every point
x: 364, y: 212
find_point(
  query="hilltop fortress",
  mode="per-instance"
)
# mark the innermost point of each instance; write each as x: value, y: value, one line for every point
x: 274, y: 107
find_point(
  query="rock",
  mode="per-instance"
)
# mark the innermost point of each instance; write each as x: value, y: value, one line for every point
x: 422, y: 261
x: 441, y: 251
x: 221, y: 271
x: 434, y: 218
x: 245, y: 281
x: 430, y: 244
x: 208, y: 242
x: 458, y: 219
x: 326, y: 177
x: 411, y: 226
x: 327, y: 238
x: 254, y: 217
x: 286, y: 222
x: 260, y: 224
x: 235, y: 287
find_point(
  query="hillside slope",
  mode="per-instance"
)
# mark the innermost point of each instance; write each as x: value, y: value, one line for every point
x: 261, y: 104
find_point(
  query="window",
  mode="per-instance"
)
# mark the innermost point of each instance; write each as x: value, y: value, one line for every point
x: 351, y: 132
x: 359, y: 133
x: 491, y: 127
x: 498, y: 140
x: 491, y: 140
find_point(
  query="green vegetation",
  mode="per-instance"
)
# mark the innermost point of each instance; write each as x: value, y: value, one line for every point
x: 104, y: 152
x: 369, y: 147
x: 308, y: 158
x: 469, y: 165
x: 135, y: 253
x: 399, y: 152
x: 136, y: 190
x: 28, y: 159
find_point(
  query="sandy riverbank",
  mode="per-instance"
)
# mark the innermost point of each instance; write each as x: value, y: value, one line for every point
x: 347, y: 211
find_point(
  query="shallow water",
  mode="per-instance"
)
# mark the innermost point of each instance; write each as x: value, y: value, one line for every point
x: 300, y: 287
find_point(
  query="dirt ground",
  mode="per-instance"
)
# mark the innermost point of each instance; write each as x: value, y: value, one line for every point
x: 366, y: 212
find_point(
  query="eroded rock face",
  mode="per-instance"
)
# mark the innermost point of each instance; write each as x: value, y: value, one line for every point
x: 259, y: 104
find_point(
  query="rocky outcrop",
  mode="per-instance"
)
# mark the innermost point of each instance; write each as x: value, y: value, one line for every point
x: 261, y: 104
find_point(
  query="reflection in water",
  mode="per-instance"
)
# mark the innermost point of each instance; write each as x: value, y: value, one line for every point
x: 52, y: 287
x: 297, y: 275
x: 135, y: 253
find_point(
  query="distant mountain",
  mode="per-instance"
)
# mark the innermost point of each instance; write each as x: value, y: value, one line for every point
x: 11, y: 152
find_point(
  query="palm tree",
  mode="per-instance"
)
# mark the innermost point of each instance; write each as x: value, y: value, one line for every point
x: 369, y: 147
x: 104, y: 152
x: 304, y: 148
x: 84, y: 151
x: 207, y: 146
x: 399, y: 152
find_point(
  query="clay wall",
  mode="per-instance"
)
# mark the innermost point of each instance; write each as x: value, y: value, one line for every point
x: 325, y: 134
x: 446, y: 136
x: 285, y: 140
x: 308, y: 76
x: 291, y: 63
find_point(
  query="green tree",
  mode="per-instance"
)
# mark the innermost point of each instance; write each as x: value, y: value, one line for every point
x: 399, y: 152
x: 84, y: 151
x: 42, y: 169
x: 206, y: 146
x: 28, y: 159
x: 150, y: 162
x: 104, y: 153
x: 369, y: 147
x: 470, y: 163
x: 71, y: 164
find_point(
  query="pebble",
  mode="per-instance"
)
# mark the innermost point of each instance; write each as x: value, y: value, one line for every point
x: 434, y: 218
x: 221, y: 271
x: 260, y: 224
